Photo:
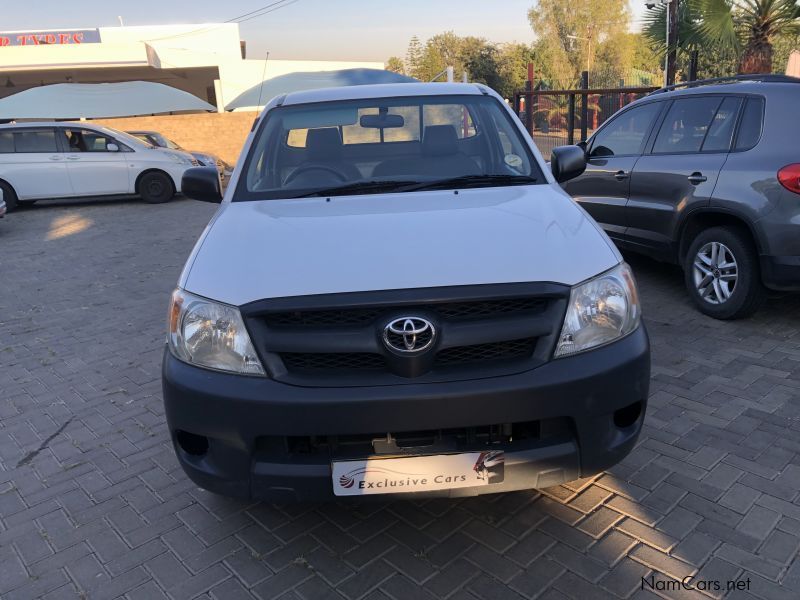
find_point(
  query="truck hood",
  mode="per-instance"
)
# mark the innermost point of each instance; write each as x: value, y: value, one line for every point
x: 276, y: 248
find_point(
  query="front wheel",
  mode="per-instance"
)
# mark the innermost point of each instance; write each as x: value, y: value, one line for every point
x: 156, y: 188
x: 722, y: 274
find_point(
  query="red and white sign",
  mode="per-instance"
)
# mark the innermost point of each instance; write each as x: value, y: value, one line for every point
x: 49, y: 38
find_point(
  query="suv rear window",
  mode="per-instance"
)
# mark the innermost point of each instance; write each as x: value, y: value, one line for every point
x: 686, y: 124
x: 720, y: 133
x: 751, y: 124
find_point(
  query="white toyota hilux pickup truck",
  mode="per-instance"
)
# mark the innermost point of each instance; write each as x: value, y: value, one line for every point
x: 396, y: 297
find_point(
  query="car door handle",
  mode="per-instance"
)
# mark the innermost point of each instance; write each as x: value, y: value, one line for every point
x: 697, y: 178
x: 56, y: 157
x: 620, y: 175
x: 73, y: 157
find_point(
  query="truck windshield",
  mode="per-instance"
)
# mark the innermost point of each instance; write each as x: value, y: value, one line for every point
x: 386, y: 145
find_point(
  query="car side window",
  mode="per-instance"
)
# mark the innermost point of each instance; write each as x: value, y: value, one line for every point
x: 41, y: 140
x: 751, y: 124
x: 720, y: 134
x: 86, y: 140
x: 627, y: 133
x: 685, y: 127
x: 6, y: 142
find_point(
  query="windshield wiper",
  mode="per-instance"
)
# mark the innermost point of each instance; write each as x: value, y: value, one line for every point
x: 468, y: 181
x: 357, y: 188
x: 389, y: 185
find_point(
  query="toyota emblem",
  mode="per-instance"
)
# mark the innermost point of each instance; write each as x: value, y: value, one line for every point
x: 409, y: 335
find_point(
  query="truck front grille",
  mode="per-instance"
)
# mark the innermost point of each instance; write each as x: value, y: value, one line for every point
x: 338, y: 339
x: 482, y: 309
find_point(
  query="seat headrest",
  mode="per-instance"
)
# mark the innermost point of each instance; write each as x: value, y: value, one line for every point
x: 324, y: 143
x: 440, y: 140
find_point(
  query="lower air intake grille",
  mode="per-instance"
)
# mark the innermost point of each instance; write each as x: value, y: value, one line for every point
x: 484, y: 352
x: 320, y: 361
x: 363, y: 361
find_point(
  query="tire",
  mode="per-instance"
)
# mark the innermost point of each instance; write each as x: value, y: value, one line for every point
x: 722, y: 274
x: 156, y: 187
x: 9, y: 196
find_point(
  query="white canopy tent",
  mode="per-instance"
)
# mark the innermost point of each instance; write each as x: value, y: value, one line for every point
x: 99, y: 100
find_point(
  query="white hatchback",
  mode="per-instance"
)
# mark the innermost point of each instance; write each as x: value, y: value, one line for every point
x: 63, y: 160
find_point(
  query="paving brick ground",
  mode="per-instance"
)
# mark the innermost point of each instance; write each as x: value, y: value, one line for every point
x: 94, y: 505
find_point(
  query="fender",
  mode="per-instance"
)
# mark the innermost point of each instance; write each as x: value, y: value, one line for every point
x: 726, y: 214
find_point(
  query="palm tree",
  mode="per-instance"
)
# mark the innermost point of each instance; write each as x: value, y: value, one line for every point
x: 762, y: 21
x: 746, y: 27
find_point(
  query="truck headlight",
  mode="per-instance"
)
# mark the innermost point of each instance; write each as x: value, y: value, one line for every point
x: 600, y: 310
x: 211, y: 335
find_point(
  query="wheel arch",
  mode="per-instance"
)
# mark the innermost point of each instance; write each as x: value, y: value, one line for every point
x: 704, y: 218
x: 11, y: 185
x: 153, y: 170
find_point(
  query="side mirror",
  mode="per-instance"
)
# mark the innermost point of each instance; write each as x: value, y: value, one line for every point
x: 112, y: 148
x: 202, y: 183
x: 567, y: 162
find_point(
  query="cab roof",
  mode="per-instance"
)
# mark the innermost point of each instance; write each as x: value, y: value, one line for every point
x: 384, y: 90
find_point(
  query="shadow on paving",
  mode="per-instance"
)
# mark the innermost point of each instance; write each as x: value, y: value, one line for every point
x: 94, y: 505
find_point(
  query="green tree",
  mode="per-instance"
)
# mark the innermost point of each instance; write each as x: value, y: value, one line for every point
x: 414, y: 58
x: 396, y: 65
x: 512, y: 67
x: 480, y: 61
x: 627, y: 58
x: 782, y: 48
x: 473, y: 55
x: 746, y: 28
x: 570, y: 33
x: 440, y: 51
x: 759, y: 22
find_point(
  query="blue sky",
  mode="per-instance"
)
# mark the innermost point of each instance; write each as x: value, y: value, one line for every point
x: 307, y: 29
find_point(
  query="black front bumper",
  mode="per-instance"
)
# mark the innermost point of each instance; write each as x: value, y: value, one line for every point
x: 235, y: 412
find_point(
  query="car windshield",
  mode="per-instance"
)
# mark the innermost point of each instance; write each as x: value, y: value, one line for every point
x: 386, y: 145
x: 129, y: 138
x: 171, y: 145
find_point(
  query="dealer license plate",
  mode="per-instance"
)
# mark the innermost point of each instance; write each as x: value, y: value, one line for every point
x: 395, y: 475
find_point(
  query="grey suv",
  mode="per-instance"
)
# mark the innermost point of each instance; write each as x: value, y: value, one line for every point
x: 707, y: 177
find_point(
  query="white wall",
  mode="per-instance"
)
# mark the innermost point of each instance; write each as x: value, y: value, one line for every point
x: 169, y: 47
x: 179, y: 46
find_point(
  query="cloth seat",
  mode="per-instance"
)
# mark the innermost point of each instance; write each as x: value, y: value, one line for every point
x: 324, y: 147
x: 440, y: 157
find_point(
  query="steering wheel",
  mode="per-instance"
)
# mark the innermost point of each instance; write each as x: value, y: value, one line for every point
x: 305, y: 168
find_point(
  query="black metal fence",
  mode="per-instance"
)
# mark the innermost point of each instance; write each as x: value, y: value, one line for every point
x: 558, y: 117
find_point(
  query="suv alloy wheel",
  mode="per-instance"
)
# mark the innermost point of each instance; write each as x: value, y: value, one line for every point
x: 722, y: 274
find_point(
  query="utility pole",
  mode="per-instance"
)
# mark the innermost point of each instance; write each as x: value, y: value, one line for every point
x: 672, y: 41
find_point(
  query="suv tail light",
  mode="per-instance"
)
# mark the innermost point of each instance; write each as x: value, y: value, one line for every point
x: 789, y: 176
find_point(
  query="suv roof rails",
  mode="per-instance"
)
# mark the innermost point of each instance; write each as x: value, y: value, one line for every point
x: 763, y: 78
